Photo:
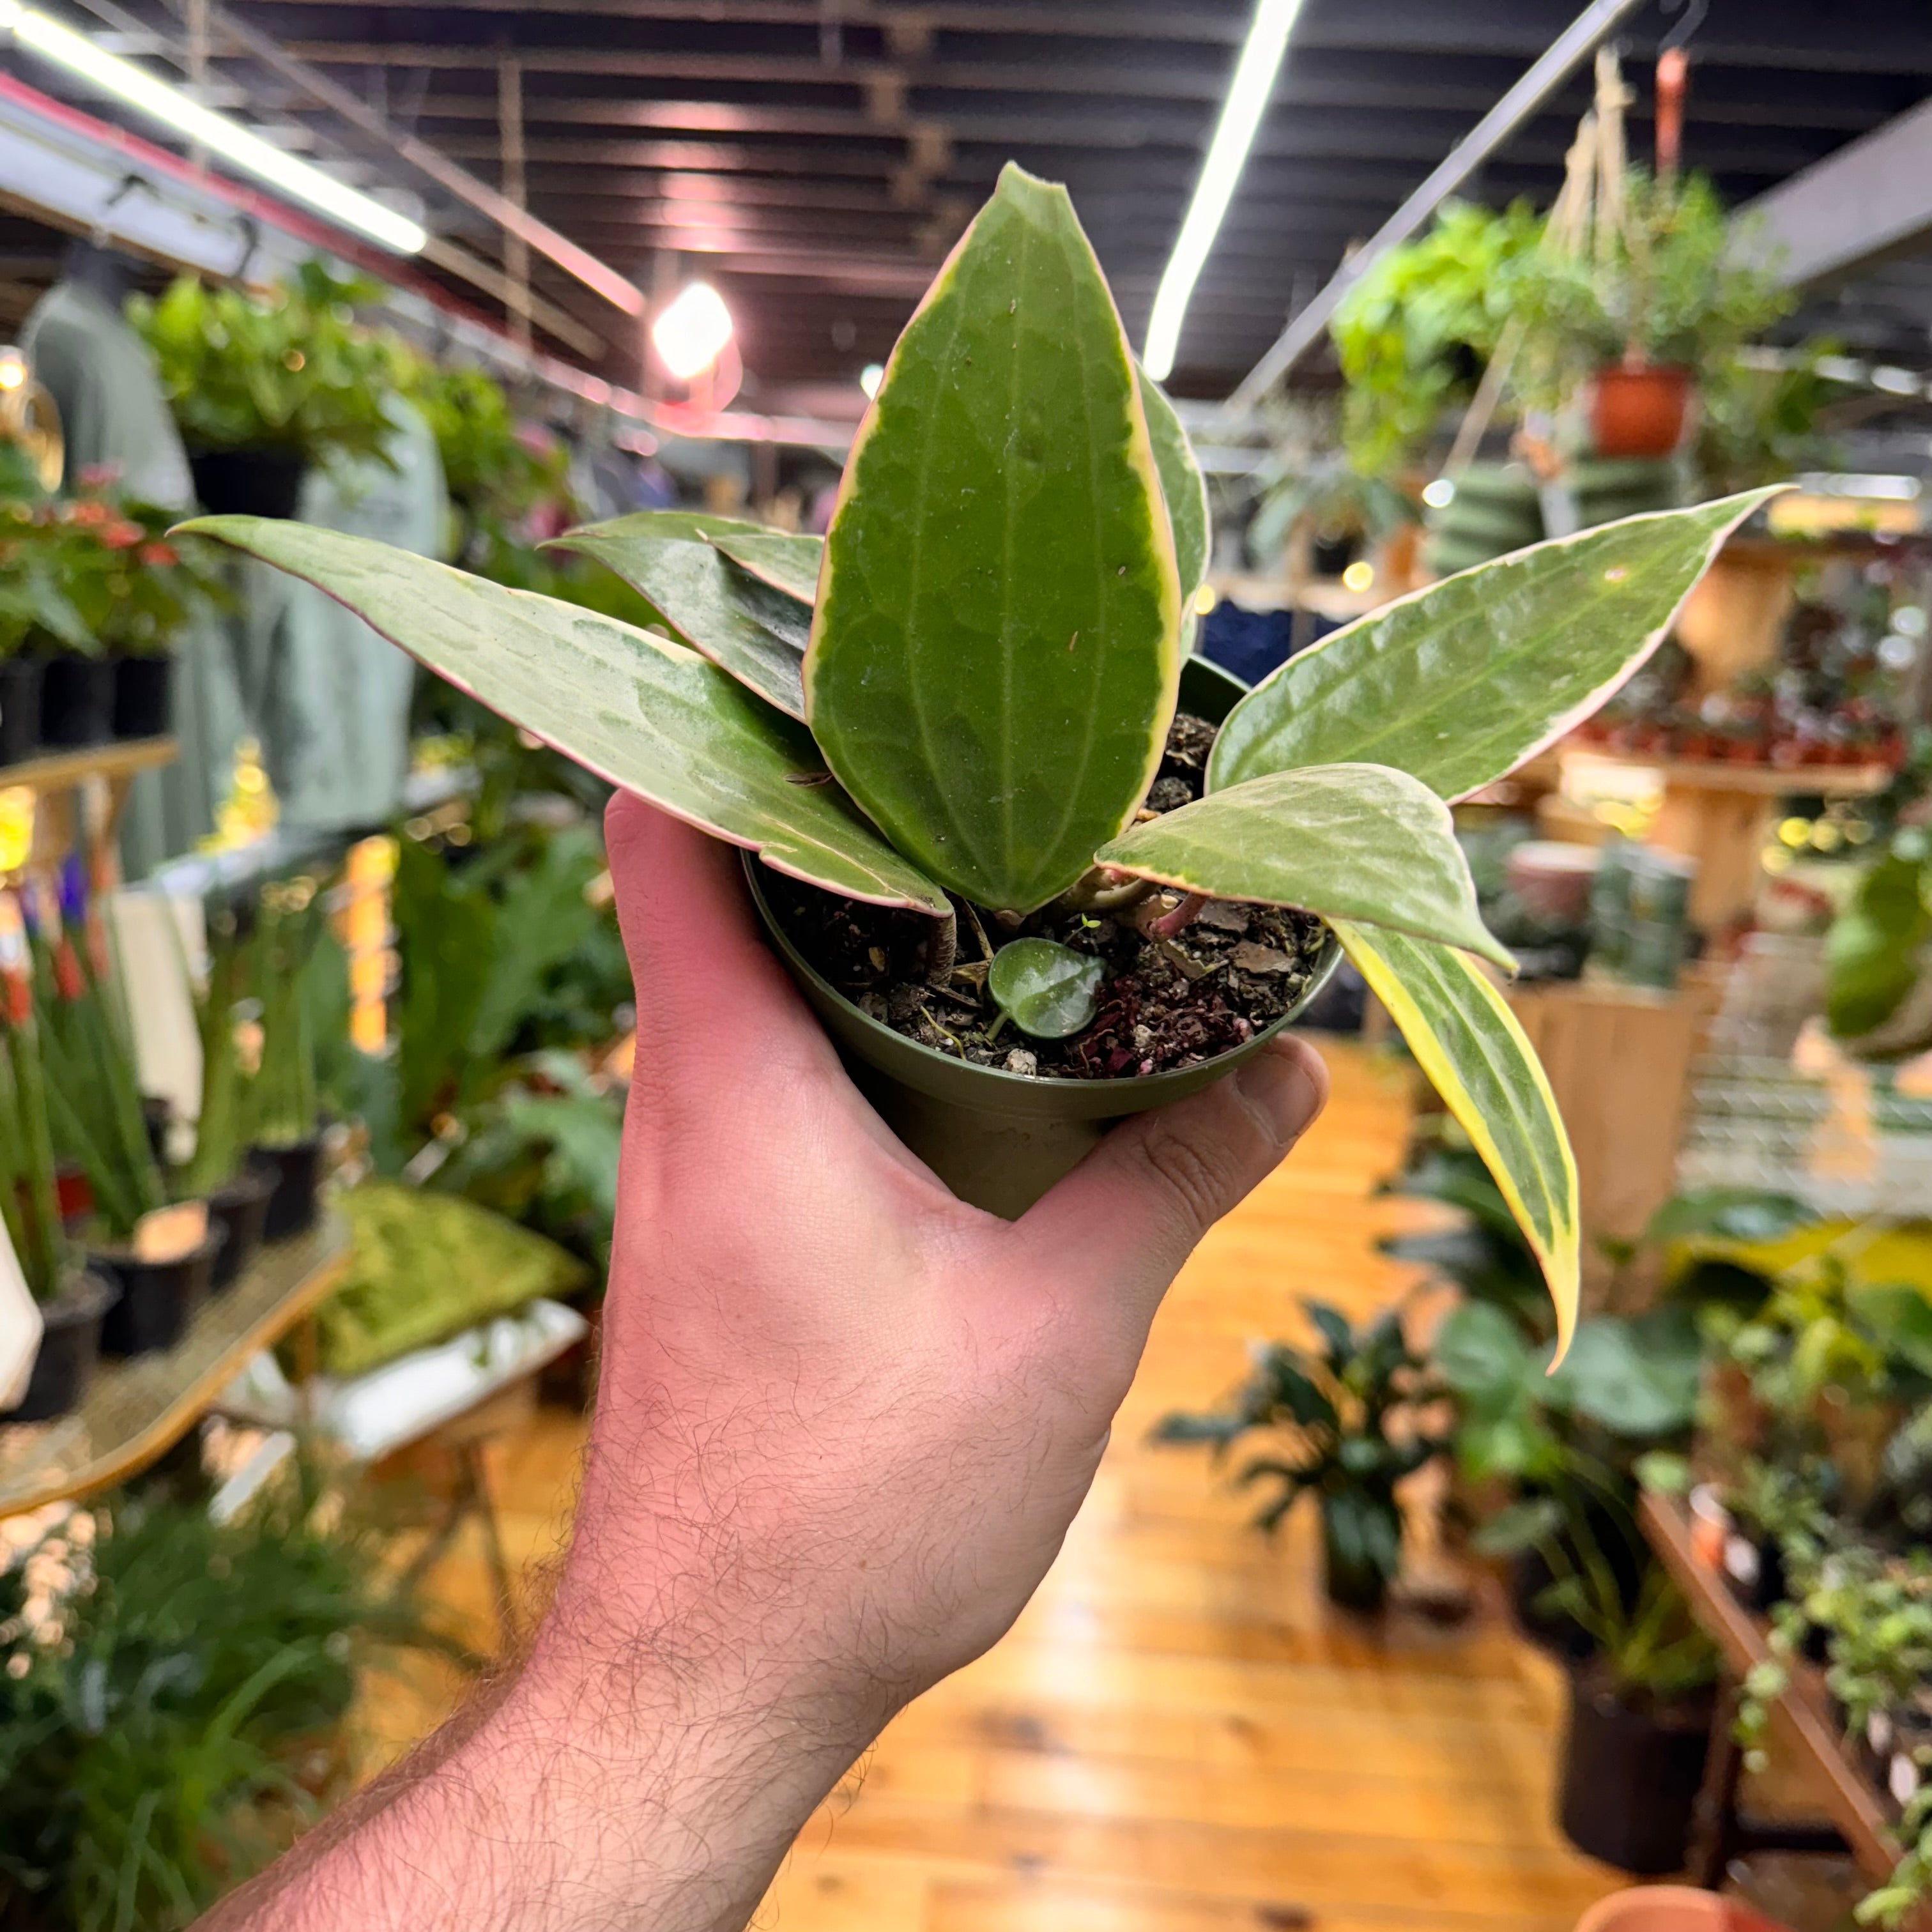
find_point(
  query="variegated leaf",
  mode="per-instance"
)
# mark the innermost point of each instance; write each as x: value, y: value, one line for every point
x: 639, y: 710
x: 1476, y: 1057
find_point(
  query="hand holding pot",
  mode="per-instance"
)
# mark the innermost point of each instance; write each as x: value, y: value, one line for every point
x: 842, y: 1424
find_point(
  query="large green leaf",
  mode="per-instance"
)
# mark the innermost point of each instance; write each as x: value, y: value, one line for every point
x: 639, y: 710
x: 1459, y: 683
x: 1182, y: 483
x: 1476, y: 1057
x: 786, y: 562
x: 995, y: 652
x: 1348, y: 841
x: 1872, y: 951
x: 742, y: 624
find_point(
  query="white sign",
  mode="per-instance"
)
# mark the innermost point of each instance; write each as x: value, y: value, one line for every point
x: 20, y: 1325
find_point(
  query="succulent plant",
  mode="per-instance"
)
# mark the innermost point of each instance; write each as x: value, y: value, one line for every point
x: 963, y: 694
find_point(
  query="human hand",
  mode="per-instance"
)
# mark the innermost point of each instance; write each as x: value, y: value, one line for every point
x: 843, y: 1422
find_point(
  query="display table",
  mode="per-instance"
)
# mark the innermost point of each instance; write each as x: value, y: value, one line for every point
x: 137, y: 1409
x: 1801, y: 1724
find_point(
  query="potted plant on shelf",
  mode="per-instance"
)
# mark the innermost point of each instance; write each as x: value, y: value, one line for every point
x: 219, y: 1171
x: 1337, y: 1408
x: 159, y: 1254
x: 1026, y: 899
x: 1640, y: 1720
x: 284, y: 1108
x: 72, y: 1300
x: 262, y: 388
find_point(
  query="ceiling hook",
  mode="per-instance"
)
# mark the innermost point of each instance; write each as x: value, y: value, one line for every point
x: 1694, y: 11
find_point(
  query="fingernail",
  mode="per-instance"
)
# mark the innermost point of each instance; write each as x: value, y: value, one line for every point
x: 1276, y: 1082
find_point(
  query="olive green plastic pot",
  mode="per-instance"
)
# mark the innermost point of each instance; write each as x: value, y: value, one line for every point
x: 1001, y: 1140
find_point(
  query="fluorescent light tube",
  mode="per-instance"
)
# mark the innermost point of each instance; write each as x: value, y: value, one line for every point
x: 1247, y: 101
x: 215, y: 132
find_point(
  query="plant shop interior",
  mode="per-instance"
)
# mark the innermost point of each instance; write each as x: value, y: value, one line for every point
x: 1448, y: 490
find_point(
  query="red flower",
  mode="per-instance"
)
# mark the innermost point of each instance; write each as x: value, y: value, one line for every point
x: 68, y: 981
x: 100, y: 475
x: 88, y: 513
x: 160, y: 555
x: 122, y: 536
x: 20, y: 1000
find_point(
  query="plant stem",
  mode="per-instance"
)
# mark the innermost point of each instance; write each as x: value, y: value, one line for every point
x: 942, y: 949
x: 1168, y: 924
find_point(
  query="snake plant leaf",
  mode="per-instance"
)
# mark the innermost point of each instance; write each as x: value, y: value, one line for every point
x: 639, y: 710
x: 995, y: 652
x: 722, y: 611
x: 1046, y: 989
x: 1348, y: 841
x: 1181, y: 484
x: 1478, y: 1058
x: 1459, y: 683
x: 786, y: 562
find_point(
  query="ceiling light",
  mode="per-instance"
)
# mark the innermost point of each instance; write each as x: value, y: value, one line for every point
x: 12, y: 367
x: 1248, y: 95
x: 245, y: 149
x: 690, y: 333
x: 870, y: 376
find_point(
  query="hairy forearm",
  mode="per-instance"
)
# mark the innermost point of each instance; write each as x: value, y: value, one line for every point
x: 589, y: 1792
x: 647, y: 1765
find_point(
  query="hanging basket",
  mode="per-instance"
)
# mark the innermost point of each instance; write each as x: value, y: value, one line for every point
x: 1641, y: 408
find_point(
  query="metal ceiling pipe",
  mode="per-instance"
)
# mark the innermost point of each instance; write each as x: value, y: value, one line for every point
x: 1551, y: 68
x: 597, y: 276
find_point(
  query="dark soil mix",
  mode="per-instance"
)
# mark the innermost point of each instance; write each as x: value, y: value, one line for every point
x: 1165, y: 1004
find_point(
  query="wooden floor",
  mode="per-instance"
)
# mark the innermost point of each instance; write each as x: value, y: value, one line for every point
x: 1179, y: 1735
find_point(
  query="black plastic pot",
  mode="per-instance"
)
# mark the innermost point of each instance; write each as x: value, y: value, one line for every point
x: 1352, y: 1581
x: 158, y: 1299
x: 19, y: 707
x: 294, y: 1176
x: 248, y: 482
x: 1630, y: 1778
x: 76, y: 701
x: 240, y: 1210
x: 143, y: 696
x: 1001, y: 1140
x: 70, y: 1347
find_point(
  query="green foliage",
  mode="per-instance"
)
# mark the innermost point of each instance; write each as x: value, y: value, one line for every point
x: 543, y: 1150
x: 1046, y: 990
x: 1872, y: 950
x: 1758, y: 423
x: 96, y: 573
x: 93, y: 1084
x: 1414, y: 334
x: 28, y: 1207
x: 1362, y: 842
x: 291, y: 372
x: 1332, y: 495
x: 150, y: 1732
x: 284, y: 1103
x: 1456, y: 684
x: 1335, y: 1407
x: 495, y: 471
x: 221, y: 1137
x: 1667, y: 288
x: 995, y: 651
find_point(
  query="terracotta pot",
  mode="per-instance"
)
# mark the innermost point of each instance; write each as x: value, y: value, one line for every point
x: 1672, y: 1908
x: 1733, y: 621
x: 1641, y: 409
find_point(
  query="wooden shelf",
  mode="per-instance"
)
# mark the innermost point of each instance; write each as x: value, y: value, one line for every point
x: 138, y: 1408
x: 1802, y: 1718
x: 1755, y: 780
x: 61, y: 771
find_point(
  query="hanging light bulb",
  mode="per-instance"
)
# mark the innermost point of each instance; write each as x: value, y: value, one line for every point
x: 690, y: 333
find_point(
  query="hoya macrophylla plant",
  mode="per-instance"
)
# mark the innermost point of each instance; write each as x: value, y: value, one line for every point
x: 960, y: 698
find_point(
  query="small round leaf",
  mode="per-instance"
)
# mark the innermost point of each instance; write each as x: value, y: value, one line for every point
x: 1045, y: 989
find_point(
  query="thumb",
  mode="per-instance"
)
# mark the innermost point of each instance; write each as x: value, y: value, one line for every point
x: 1132, y: 1211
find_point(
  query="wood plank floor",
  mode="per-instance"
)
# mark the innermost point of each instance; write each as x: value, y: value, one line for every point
x: 1179, y: 1735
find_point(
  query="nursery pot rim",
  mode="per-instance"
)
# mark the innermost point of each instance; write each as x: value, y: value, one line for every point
x: 84, y: 1295
x: 1107, y: 1099
x: 247, y: 1182
x: 119, y: 1254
